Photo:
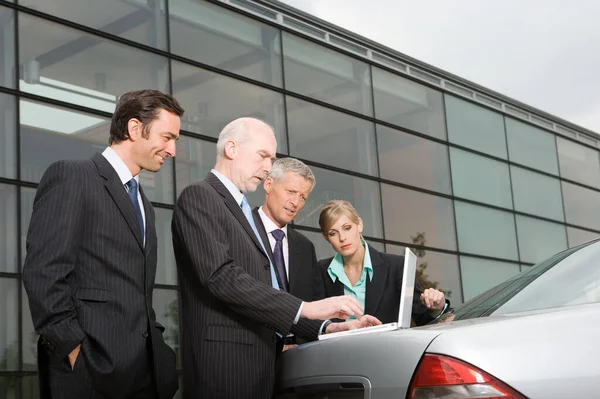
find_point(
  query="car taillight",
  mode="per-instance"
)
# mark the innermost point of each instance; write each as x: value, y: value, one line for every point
x: 439, y: 377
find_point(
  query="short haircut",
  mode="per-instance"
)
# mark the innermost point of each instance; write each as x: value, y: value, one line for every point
x: 143, y: 105
x: 332, y: 211
x: 237, y: 130
x: 282, y: 166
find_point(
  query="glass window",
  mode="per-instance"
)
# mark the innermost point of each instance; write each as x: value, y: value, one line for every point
x: 324, y: 74
x: 9, y: 387
x: 408, y: 104
x: 222, y: 100
x: 195, y: 158
x: 29, y: 337
x: 9, y: 244
x: 578, y: 236
x: 475, y: 127
x: 331, y: 137
x: 578, y: 163
x: 480, y: 179
x: 581, y: 206
x: 30, y: 387
x: 215, y: 36
x: 436, y: 270
x: 9, y: 329
x: 538, y: 239
x: 166, y: 272
x: 322, y: 247
x: 142, y: 22
x: 531, y: 146
x: 8, y: 138
x: 485, y: 231
x: 27, y: 197
x: 413, y: 160
x: 7, y: 47
x: 536, y: 194
x: 409, y: 213
x: 362, y: 193
x: 75, y: 67
x: 479, y: 275
x: 166, y: 306
x: 50, y: 133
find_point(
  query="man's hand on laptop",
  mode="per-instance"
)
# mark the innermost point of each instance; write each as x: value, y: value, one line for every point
x: 363, y: 321
x: 336, y: 307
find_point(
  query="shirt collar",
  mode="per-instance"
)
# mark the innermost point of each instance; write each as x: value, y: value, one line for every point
x: 119, y: 166
x: 269, y: 224
x: 233, y: 190
x: 336, y: 267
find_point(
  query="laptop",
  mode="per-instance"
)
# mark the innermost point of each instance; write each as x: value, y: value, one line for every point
x: 405, y: 308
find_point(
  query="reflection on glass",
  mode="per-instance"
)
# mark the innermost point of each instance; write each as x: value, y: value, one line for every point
x: 9, y: 244
x: 531, y: 146
x: 413, y: 160
x: 536, y: 194
x: 79, y: 68
x: 475, y: 127
x: 8, y: 387
x: 142, y: 22
x: 485, y: 231
x: 27, y: 197
x: 322, y: 247
x: 9, y: 329
x: 195, y: 158
x: 211, y: 101
x: 8, y: 137
x: 581, y: 206
x: 30, y: 387
x: 408, y: 213
x: 408, y: 104
x: 29, y: 337
x: 7, y: 48
x: 166, y: 273
x: 578, y: 163
x: 166, y: 306
x: 578, y: 236
x: 362, y: 193
x: 324, y: 74
x: 480, y: 179
x: 479, y: 275
x: 331, y: 137
x: 214, y: 36
x: 538, y: 239
x: 436, y: 270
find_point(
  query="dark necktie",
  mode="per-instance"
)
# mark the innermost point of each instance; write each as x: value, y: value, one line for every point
x: 132, y: 190
x: 279, y: 260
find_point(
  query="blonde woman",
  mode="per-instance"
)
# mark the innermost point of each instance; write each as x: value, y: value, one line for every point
x: 372, y: 277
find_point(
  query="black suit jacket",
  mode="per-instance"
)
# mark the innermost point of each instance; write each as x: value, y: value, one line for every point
x: 229, y: 308
x: 383, y: 292
x: 89, y: 279
x: 304, y: 275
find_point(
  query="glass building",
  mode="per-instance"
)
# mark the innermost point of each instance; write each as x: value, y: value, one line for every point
x: 480, y: 185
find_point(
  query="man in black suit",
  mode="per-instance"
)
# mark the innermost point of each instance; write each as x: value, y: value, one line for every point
x: 91, y: 261
x: 286, y: 190
x: 232, y: 307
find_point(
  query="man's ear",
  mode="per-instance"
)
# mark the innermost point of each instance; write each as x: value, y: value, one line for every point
x: 230, y: 149
x: 134, y: 129
x: 268, y: 184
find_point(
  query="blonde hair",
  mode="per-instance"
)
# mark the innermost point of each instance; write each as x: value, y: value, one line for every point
x: 332, y: 211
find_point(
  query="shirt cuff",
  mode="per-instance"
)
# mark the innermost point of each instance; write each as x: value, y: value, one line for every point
x: 443, y: 310
x: 324, y: 326
x: 298, y: 314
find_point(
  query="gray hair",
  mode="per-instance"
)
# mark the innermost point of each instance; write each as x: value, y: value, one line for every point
x: 237, y: 130
x: 284, y: 165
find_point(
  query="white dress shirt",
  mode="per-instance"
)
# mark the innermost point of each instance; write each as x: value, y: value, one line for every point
x: 125, y: 175
x: 269, y: 227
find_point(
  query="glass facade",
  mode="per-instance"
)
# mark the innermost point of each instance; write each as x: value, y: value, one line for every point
x: 479, y: 194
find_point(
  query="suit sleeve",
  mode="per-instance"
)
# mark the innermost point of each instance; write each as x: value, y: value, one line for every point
x: 200, y: 239
x: 52, y: 239
x: 318, y: 283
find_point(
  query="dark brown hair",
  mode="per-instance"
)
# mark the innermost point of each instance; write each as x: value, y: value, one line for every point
x: 143, y: 105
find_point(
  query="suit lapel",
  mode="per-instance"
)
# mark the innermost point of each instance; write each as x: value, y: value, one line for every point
x: 119, y: 195
x: 234, y: 207
x: 376, y: 286
x: 263, y: 233
x: 150, y: 222
x: 295, y: 256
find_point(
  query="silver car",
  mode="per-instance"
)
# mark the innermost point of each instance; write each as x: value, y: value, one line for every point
x: 534, y: 336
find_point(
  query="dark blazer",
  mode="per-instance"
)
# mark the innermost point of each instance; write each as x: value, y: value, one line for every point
x: 382, y: 297
x: 89, y: 279
x: 304, y: 275
x: 229, y: 309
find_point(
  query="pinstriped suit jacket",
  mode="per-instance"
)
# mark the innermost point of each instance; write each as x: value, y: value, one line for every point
x: 229, y: 309
x: 89, y: 278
